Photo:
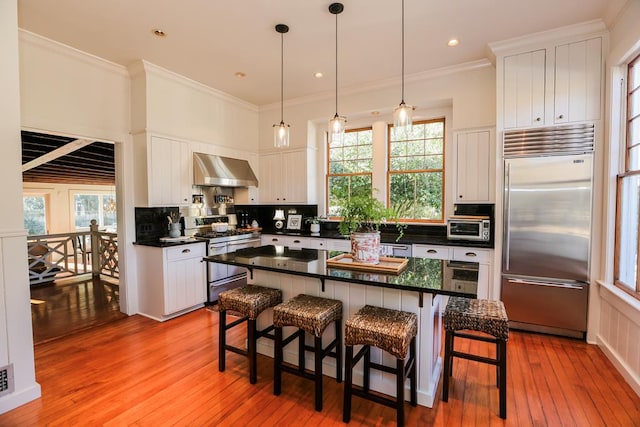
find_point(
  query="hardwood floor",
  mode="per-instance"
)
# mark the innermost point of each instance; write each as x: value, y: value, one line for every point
x: 136, y: 371
x: 71, y: 305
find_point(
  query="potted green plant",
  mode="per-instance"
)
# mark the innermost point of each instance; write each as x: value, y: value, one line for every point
x: 314, y: 222
x: 361, y: 219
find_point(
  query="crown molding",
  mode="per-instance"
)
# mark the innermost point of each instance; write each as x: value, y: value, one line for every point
x: 596, y: 26
x: 383, y: 84
x: 152, y: 69
x: 65, y: 50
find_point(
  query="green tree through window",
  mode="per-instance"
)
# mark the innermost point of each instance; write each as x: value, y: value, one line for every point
x: 416, y: 170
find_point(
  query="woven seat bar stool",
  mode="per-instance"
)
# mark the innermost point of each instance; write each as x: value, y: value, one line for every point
x: 312, y: 315
x: 480, y: 315
x: 249, y: 301
x: 392, y: 331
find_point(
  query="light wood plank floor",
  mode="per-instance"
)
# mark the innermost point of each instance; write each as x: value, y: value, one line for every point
x: 136, y: 371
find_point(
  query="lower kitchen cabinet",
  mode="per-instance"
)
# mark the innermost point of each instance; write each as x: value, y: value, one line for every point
x: 171, y: 281
x: 468, y: 254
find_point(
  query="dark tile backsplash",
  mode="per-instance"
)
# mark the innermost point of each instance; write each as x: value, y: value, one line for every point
x: 152, y: 223
x: 264, y: 214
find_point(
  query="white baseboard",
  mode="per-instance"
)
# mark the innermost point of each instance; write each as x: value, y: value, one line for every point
x: 19, y: 398
x: 629, y: 375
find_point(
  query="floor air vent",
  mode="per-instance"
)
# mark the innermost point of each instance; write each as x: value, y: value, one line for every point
x: 6, y: 380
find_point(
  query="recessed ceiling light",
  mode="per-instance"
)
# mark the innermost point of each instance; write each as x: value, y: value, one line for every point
x: 158, y: 32
x: 453, y: 42
x: 318, y: 75
x: 375, y: 113
x: 240, y: 75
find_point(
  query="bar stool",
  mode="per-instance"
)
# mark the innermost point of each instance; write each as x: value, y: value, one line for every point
x: 312, y: 315
x: 249, y: 301
x: 480, y: 315
x: 392, y: 331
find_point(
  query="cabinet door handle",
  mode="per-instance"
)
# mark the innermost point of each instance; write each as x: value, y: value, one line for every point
x: 538, y: 119
x: 432, y: 251
x: 296, y: 241
x: 471, y: 254
x: 186, y: 251
x: 460, y: 196
x: 274, y: 240
x: 561, y: 116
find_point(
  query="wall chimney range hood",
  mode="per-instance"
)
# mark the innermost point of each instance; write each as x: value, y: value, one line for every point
x: 211, y: 170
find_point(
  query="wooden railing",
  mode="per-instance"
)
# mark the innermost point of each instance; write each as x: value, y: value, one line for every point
x: 56, y: 256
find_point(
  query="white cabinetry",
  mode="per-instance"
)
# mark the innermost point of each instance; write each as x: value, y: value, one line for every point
x: 430, y: 251
x: 284, y: 240
x: 169, y: 172
x: 474, y: 171
x: 171, y: 280
x: 284, y: 177
x: 559, y: 83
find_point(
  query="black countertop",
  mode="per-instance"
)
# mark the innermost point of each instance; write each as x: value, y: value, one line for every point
x: 421, y: 275
x: 156, y: 243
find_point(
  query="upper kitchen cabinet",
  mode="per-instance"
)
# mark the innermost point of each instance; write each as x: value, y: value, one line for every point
x: 163, y: 172
x: 524, y: 89
x: 287, y: 177
x: 551, y: 78
x: 474, y: 168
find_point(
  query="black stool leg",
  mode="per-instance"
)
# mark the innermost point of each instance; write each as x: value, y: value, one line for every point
x: 252, y: 351
x: 367, y: 368
x: 400, y: 379
x: 318, y: 371
x: 413, y: 380
x: 222, y: 340
x: 277, y: 362
x: 448, y: 347
x: 301, y: 350
x: 348, y: 380
x: 503, y: 378
x: 338, y: 351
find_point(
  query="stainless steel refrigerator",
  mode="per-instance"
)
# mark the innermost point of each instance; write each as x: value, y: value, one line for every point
x: 548, y: 180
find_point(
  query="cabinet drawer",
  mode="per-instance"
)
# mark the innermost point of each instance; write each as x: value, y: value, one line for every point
x: 185, y: 252
x: 431, y: 251
x: 471, y: 255
x: 315, y: 243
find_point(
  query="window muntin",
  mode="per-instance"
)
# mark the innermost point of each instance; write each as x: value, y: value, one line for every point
x: 350, y: 164
x: 627, y: 263
x: 35, y: 214
x: 98, y: 206
x: 416, y: 170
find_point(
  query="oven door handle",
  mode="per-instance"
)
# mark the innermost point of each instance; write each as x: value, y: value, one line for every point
x: 243, y: 242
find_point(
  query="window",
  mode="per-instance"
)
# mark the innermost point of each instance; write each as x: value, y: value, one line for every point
x: 416, y: 170
x: 349, y: 167
x: 628, y: 191
x: 101, y: 207
x: 35, y: 217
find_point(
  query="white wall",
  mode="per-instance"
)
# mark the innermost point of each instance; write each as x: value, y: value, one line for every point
x: 16, y: 342
x: 618, y: 317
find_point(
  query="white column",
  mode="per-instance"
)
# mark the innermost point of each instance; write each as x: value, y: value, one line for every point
x: 16, y: 339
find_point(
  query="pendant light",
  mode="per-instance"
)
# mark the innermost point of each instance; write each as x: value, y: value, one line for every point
x: 403, y: 114
x: 281, y: 131
x: 338, y: 123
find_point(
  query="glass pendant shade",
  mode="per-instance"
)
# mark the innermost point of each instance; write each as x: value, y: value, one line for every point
x: 403, y: 116
x: 281, y: 135
x: 337, y: 126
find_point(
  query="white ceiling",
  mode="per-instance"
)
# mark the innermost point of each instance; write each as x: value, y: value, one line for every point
x: 210, y: 40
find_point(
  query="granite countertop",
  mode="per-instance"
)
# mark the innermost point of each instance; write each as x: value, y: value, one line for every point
x: 156, y: 243
x: 420, y: 275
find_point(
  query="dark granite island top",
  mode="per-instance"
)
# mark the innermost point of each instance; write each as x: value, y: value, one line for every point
x: 421, y: 274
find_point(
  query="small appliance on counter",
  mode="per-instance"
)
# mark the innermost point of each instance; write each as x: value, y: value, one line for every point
x: 471, y: 222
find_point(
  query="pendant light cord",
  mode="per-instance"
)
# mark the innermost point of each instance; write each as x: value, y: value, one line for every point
x: 402, y: 52
x: 282, y: 78
x: 337, y: 65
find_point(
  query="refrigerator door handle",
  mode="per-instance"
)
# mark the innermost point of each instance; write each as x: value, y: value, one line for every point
x: 546, y: 284
x: 507, y: 216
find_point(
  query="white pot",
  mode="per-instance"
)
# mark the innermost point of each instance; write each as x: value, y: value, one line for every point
x: 365, y: 247
x: 220, y: 227
x: 315, y: 228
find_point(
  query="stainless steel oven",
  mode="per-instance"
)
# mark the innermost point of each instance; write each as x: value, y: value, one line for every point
x: 222, y: 277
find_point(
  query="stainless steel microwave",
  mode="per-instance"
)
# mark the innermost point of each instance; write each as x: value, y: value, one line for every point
x: 469, y: 227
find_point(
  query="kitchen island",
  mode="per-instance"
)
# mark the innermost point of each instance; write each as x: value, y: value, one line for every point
x: 419, y: 288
